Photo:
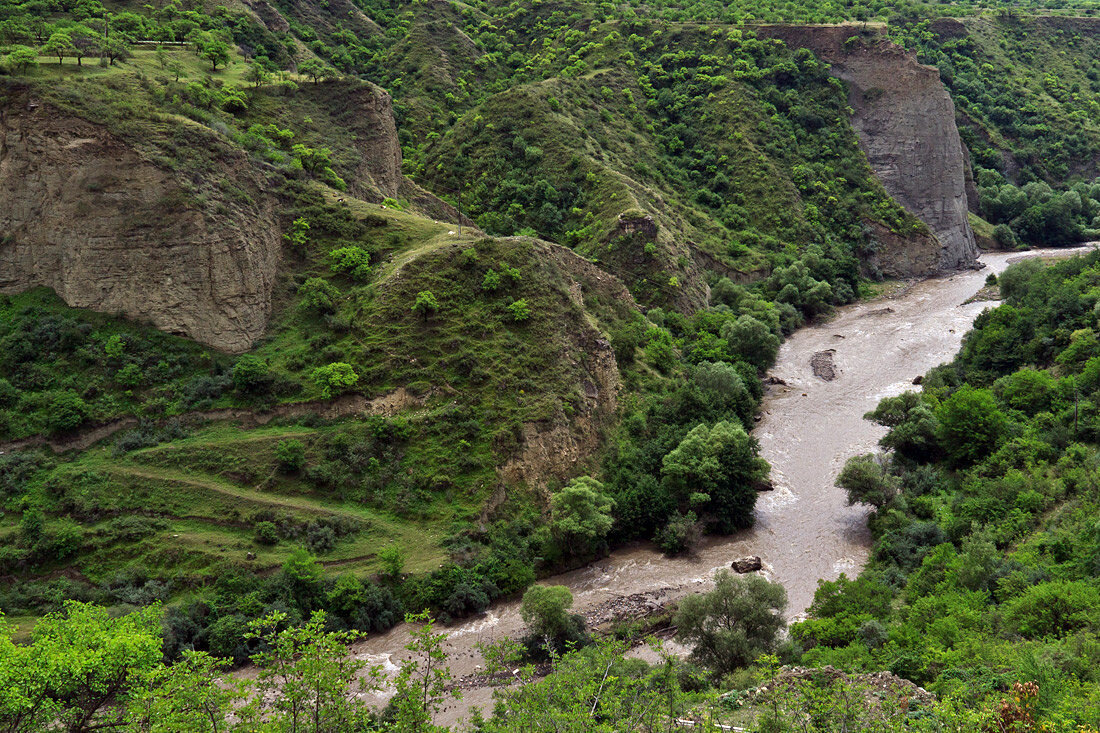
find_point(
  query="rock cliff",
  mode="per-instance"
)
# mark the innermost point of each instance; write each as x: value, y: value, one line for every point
x: 88, y: 216
x: 905, y: 120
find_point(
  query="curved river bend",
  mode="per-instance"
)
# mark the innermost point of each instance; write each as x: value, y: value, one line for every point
x: 804, y: 529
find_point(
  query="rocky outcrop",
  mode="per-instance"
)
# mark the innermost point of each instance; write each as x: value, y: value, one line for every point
x: 905, y: 120
x: 86, y: 215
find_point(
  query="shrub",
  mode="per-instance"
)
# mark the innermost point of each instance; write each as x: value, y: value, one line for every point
x: 425, y: 304
x: 353, y: 261
x: 291, y: 455
x: 251, y: 374
x: 67, y: 411
x: 335, y: 377
x: 267, y: 533
x: 519, y: 310
x: 319, y: 294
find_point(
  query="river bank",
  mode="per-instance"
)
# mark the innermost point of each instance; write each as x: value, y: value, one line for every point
x: 810, y: 425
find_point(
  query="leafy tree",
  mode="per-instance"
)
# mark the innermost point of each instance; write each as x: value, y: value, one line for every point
x: 867, y: 481
x: 193, y: 695
x: 733, y: 624
x: 307, y: 680
x: 423, y: 679
x: 971, y: 425
x: 596, y: 688
x: 335, y: 377
x: 752, y: 341
x: 716, y: 469
x: 580, y: 514
x: 85, y: 42
x: 256, y: 74
x: 22, y: 58
x: 216, y: 51
x: 425, y: 304
x: 545, y: 610
x: 312, y: 68
x: 60, y: 44
x: 79, y: 662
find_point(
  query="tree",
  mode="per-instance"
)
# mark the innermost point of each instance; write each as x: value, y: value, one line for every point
x: 291, y: 455
x: 85, y: 42
x: 256, y: 74
x: 545, y: 610
x: 971, y: 425
x: 307, y: 680
x: 78, y: 663
x: 335, y: 377
x: 312, y: 68
x: 733, y: 624
x: 425, y: 304
x: 867, y: 481
x: 59, y: 45
x: 22, y: 58
x: 580, y: 514
x: 752, y: 341
x: 423, y: 679
x: 216, y: 52
x: 716, y: 469
x: 191, y: 696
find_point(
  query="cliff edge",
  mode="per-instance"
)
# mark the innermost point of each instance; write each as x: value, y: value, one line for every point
x: 86, y: 215
x: 905, y: 120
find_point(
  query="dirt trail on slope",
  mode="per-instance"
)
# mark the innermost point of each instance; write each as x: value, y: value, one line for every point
x: 344, y: 406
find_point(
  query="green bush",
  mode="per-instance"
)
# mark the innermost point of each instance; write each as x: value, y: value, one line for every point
x: 291, y: 455
x: 267, y: 533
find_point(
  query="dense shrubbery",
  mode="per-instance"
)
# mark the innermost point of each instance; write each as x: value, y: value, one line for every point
x: 987, y: 555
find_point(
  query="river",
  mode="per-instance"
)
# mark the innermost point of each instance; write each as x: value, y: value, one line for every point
x: 809, y: 427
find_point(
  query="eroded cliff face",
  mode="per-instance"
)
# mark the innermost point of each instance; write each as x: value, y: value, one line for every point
x: 85, y: 214
x: 905, y: 120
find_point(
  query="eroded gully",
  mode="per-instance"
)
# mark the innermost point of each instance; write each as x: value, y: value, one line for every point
x: 804, y: 529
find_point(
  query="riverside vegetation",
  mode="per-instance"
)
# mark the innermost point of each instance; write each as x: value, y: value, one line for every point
x: 711, y: 197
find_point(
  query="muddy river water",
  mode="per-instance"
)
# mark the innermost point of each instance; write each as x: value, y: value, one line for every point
x: 809, y: 427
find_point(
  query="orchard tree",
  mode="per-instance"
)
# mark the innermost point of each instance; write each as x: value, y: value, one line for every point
x: 86, y: 42
x: 22, y: 58
x: 59, y: 44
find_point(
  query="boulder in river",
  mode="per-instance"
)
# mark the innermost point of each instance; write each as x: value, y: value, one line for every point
x: 748, y: 564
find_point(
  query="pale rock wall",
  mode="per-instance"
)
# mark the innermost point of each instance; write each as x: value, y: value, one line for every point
x: 84, y: 214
